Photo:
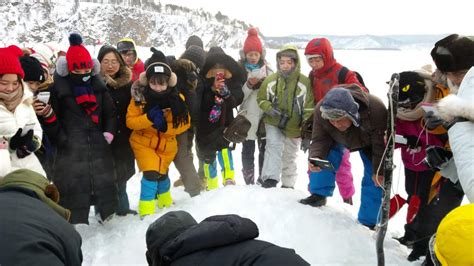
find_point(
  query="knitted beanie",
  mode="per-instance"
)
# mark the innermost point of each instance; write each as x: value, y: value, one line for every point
x: 339, y: 103
x: 9, y: 61
x: 196, y: 55
x: 33, y: 69
x: 453, y: 53
x: 77, y: 56
x: 252, y: 43
x: 157, y: 64
x: 194, y: 40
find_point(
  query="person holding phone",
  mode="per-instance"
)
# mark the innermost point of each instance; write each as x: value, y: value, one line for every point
x: 357, y: 120
x: 253, y: 61
x: 222, y: 92
x: 38, y: 80
x: 19, y: 127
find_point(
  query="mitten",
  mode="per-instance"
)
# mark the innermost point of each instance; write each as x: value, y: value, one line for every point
x: 155, y: 115
x: 224, y: 92
x: 30, y: 146
x: 18, y: 140
x: 109, y: 137
x: 432, y: 121
x: 413, y: 142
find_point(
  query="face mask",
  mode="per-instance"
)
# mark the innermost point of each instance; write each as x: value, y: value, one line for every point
x: 81, y: 79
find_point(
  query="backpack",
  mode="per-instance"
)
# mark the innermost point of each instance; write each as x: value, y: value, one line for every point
x: 341, y: 78
x: 238, y: 129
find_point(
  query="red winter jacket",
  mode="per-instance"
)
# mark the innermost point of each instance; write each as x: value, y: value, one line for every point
x: 138, y: 68
x: 324, y: 79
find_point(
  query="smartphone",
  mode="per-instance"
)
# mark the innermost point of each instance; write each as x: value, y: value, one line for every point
x: 43, y: 96
x: 429, y: 107
x: 219, y: 75
x: 255, y: 74
x: 27, y: 128
x: 323, y: 164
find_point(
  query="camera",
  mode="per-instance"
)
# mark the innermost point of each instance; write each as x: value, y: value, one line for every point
x: 284, y: 118
x: 437, y: 157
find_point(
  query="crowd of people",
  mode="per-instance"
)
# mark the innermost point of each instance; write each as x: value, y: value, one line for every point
x: 74, y: 126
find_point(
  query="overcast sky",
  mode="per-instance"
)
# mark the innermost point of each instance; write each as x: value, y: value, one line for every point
x: 346, y: 17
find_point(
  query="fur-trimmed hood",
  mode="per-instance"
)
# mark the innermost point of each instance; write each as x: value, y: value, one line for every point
x: 462, y: 104
x: 62, y: 70
x: 123, y: 77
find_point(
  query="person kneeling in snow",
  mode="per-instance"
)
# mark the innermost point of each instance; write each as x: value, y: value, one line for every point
x: 357, y: 120
x: 177, y: 239
x: 156, y: 114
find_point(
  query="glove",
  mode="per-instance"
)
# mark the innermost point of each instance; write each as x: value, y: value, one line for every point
x: 413, y: 142
x: 155, y: 115
x: 273, y: 112
x: 305, y: 143
x: 31, y: 145
x: 109, y: 137
x: 432, y: 121
x: 437, y: 157
x: 18, y: 141
x: 224, y: 92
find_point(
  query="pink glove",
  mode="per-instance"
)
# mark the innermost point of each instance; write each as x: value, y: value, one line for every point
x: 109, y: 137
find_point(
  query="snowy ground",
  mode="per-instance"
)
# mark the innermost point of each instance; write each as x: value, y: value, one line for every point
x: 323, y: 236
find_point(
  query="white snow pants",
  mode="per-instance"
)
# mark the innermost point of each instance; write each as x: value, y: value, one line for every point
x: 280, y: 157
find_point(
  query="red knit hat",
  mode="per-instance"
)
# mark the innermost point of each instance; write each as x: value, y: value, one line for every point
x: 77, y: 56
x: 9, y: 61
x: 252, y: 43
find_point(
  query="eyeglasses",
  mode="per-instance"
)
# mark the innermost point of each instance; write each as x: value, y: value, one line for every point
x: 110, y: 63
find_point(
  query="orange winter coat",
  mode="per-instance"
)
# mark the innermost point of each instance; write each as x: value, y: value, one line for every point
x: 154, y: 150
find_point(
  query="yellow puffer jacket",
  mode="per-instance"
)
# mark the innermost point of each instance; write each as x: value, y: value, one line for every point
x: 154, y: 150
x: 454, y: 244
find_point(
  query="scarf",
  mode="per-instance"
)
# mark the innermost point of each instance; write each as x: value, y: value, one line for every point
x: 167, y: 99
x: 12, y: 100
x: 85, y: 97
x: 252, y: 67
x: 216, y: 110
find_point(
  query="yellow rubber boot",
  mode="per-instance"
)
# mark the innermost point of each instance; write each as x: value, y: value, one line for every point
x: 212, y: 183
x: 164, y: 200
x: 146, y: 207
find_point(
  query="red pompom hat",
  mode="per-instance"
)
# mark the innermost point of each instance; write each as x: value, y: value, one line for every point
x: 10, y: 62
x: 77, y: 56
x: 252, y: 43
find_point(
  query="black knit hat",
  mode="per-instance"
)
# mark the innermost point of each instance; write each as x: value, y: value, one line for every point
x: 32, y: 68
x: 194, y: 40
x: 412, y: 88
x: 453, y: 53
x: 157, y: 64
x: 196, y: 55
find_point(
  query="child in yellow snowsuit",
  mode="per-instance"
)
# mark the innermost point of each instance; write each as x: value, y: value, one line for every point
x: 156, y: 114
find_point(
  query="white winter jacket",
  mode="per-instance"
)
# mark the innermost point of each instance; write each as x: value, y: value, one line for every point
x: 461, y: 134
x: 9, y: 125
x: 252, y: 111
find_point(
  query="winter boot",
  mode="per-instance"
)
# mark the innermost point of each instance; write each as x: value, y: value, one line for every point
x: 249, y: 176
x: 420, y: 248
x: 348, y: 201
x: 164, y: 200
x: 269, y: 183
x: 146, y: 207
x: 314, y: 200
x: 212, y: 183
x: 406, y: 241
x: 229, y: 182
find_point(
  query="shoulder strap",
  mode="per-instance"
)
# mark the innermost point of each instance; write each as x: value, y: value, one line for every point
x: 341, y: 78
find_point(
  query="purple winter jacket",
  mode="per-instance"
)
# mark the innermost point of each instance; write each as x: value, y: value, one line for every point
x: 413, y: 159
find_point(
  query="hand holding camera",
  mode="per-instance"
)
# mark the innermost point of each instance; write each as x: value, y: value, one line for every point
x: 437, y: 157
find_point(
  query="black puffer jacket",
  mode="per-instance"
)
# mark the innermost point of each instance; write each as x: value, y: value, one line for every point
x: 32, y: 233
x: 176, y: 239
x: 209, y: 136
x: 84, y: 170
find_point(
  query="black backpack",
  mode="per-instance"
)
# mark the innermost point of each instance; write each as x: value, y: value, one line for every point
x: 343, y: 73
